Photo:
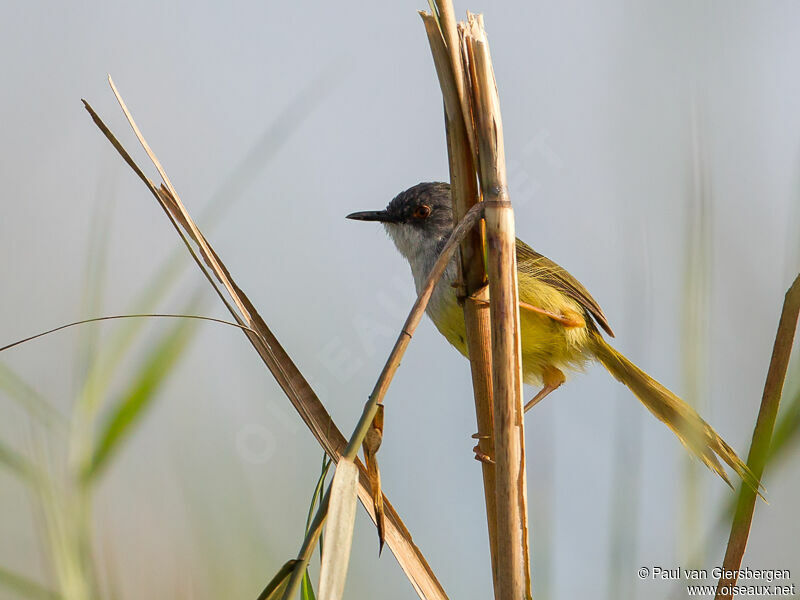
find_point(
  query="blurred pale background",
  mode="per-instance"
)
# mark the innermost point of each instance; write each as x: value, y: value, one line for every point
x: 619, y: 118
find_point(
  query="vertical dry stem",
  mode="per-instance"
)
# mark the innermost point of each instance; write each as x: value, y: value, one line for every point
x: 452, y: 42
x: 463, y: 183
x: 474, y: 132
x: 509, y: 432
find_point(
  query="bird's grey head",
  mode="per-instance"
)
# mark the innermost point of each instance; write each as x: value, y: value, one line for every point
x: 419, y: 220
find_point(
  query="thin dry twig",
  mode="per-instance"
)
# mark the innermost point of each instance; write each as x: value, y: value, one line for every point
x: 382, y: 385
x: 286, y: 373
x: 762, y: 436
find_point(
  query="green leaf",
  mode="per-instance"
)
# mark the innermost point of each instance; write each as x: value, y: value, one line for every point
x: 306, y: 589
x: 106, y: 364
x: 275, y: 588
x: 436, y: 17
x: 326, y: 464
x: 135, y: 402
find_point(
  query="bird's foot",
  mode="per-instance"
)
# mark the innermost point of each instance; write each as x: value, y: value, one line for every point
x: 552, y: 379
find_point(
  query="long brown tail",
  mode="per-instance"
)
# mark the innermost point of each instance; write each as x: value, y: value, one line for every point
x: 693, y: 432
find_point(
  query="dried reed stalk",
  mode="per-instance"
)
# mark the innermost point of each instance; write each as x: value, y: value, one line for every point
x: 452, y: 41
x: 463, y: 183
x: 474, y: 129
x: 509, y: 432
x: 762, y: 436
x: 286, y: 373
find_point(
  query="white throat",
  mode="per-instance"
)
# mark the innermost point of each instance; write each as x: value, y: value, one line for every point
x: 420, y: 251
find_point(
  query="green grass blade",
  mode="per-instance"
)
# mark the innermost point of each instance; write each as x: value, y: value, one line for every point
x: 103, y: 369
x: 306, y: 588
x: 25, y: 587
x: 275, y: 588
x: 135, y: 402
x: 326, y: 463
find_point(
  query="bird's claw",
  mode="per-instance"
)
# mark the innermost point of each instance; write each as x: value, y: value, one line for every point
x: 480, y: 455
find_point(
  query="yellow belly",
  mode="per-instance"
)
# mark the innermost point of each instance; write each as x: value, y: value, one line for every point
x: 545, y: 342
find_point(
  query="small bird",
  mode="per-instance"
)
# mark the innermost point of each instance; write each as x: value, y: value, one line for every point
x: 559, y: 320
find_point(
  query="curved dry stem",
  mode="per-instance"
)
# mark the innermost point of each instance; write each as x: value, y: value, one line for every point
x: 114, y: 317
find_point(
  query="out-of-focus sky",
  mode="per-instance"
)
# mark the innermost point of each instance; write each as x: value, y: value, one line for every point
x: 604, y: 107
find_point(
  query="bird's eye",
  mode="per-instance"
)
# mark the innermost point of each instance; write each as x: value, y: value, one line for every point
x: 423, y: 211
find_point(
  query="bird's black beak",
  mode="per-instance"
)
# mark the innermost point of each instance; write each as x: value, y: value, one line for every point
x: 372, y: 215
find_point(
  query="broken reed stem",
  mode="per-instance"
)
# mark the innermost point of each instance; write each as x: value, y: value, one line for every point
x: 382, y: 385
x: 463, y: 183
x: 762, y: 436
x: 189, y: 224
x: 464, y: 189
x: 509, y: 433
x: 452, y: 42
x: 289, y: 377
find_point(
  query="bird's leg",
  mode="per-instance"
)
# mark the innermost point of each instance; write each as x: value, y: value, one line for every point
x: 552, y: 379
x: 569, y: 318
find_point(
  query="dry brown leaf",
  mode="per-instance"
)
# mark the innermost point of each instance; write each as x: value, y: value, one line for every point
x: 372, y: 442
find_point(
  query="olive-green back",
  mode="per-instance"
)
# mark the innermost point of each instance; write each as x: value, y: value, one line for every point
x: 542, y: 268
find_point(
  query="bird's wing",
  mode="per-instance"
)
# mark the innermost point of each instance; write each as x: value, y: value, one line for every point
x: 544, y: 269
